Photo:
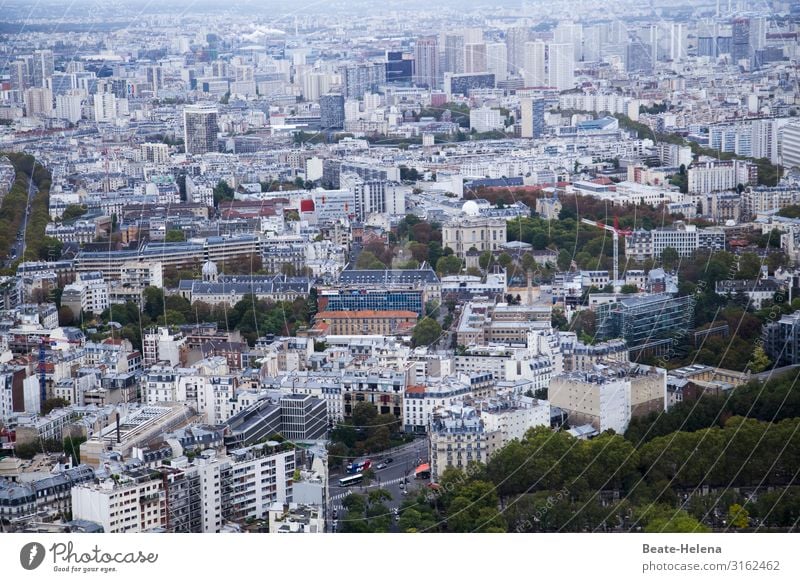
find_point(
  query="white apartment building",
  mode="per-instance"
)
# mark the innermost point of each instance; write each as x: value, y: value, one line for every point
x: 684, y: 238
x: 593, y: 399
x: 513, y: 418
x: 130, y: 504
x: 159, y: 344
x: 790, y: 145
x: 483, y: 119
x: 716, y: 176
x: 89, y: 293
x: 610, y: 394
x: 459, y: 437
x: 422, y: 400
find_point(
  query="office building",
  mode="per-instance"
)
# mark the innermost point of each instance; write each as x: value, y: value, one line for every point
x: 366, y: 322
x: 638, y: 57
x: 303, y: 417
x: 462, y: 84
x: 647, y: 322
x: 358, y: 298
x: 200, y: 128
x: 399, y: 67
x: 740, y: 44
x: 782, y: 340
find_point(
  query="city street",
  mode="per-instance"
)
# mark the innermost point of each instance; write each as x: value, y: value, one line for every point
x: 405, y: 460
x: 18, y: 246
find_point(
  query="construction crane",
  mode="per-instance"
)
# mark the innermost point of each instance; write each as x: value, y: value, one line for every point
x: 615, y: 232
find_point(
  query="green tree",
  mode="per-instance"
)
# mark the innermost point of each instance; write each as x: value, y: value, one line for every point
x: 175, y: 235
x: 760, y: 361
x: 738, y: 516
x: 449, y: 265
x: 53, y: 403
x: 222, y: 191
x: 426, y: 332
x: 73, y: 211
x: 670, y: 258
x: 485, y: 260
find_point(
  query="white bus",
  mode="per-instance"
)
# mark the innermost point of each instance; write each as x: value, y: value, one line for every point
x: 351, y: 480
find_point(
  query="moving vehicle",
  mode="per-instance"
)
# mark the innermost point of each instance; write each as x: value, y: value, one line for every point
x: 351, y: 480
x: 359, y: 466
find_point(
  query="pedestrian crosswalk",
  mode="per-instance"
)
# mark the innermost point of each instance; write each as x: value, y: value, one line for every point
x: 372, y: 485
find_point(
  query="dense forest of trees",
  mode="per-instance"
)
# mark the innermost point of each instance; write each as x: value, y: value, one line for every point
x: 676, y: 481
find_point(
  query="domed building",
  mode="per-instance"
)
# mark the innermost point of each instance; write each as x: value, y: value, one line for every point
x: 471, y: 208
x: 210, y: 272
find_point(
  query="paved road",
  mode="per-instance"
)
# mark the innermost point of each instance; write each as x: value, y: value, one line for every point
x: 18, y: 246
x: 394, y: 478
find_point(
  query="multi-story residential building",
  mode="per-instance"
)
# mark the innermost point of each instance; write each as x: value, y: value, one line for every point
x: 608, y: 396
x: 790, y: 145
x: 482, y: 234
x: 506, y: 364
x: 513, y: 416
x: 580, y: 356
x: 458, y: 437
x: 757, y: 291
x: 135, y: 501
x: 421, y: 400
x: 374, y: 196
x: 383, y: 388
x: 80, y: 231
x: 22, y: 499
x: 763, y: 199
x: 88, y: 294
x: 683, y: 238
x: 722, y: 206
x: 160, y: 344
x: 254, y: 478
x: 717, y: 176
x: 485, y: 119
